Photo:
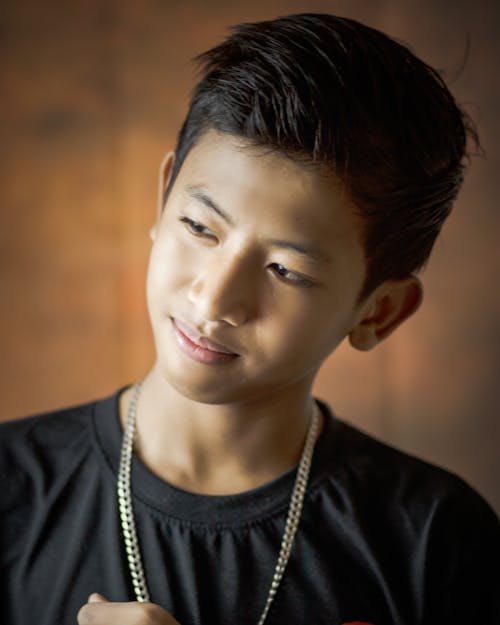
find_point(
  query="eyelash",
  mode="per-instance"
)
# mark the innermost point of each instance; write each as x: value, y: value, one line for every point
x: 199, y: 230
x: 297, y: 279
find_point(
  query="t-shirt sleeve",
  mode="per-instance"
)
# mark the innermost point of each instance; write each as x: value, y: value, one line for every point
x: 463, y: 564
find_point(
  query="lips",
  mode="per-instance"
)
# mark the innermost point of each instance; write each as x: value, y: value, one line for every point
x: 200, y: 347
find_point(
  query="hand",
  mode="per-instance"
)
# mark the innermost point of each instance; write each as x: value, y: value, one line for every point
x: 100, y: 611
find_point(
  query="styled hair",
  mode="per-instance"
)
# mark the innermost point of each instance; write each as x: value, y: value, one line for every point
x: 333, y: 92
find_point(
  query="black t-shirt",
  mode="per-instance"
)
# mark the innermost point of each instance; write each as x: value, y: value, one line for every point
x: 384, y: 538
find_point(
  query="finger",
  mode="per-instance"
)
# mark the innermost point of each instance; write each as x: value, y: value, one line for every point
x: 110, y: 613
x: 95, y: 597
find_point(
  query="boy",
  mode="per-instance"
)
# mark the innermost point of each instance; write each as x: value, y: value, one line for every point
x: 314, y: 170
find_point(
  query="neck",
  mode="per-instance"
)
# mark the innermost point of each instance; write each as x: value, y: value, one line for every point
x: 217, y: 449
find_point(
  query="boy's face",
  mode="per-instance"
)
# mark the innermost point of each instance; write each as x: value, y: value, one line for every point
x: 261, y: 256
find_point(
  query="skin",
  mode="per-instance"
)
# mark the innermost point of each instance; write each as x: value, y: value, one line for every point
x: 228, y: 427
x: 100, y: 611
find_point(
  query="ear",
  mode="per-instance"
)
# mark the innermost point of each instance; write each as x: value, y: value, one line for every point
x: 385, y: 309
x: 163, y: 179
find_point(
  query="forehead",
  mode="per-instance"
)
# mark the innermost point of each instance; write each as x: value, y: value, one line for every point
x: 235, y: 159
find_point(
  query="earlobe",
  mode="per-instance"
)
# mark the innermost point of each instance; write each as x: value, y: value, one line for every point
x: 390, y: 304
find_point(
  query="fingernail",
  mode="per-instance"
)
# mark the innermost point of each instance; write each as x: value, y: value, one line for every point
x: 96, y: 598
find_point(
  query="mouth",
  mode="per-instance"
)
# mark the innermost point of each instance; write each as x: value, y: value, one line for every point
x: 200, y: 347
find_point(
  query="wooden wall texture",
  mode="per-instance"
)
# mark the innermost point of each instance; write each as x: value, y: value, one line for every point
x: 92, y: 94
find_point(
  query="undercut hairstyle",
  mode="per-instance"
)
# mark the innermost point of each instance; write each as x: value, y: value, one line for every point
x: 336, y: 94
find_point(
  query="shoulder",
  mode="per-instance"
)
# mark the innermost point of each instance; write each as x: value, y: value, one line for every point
x: 423, y: 527
x: 417, y: 521
x: 385, y: 482
x: 448, y: 532
x: 39, y: 451
x: 40, y: 433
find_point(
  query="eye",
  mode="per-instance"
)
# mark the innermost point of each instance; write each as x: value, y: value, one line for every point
x: 291, y: 276
x: 197, y: 229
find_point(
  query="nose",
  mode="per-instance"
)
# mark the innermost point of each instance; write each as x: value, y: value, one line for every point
x: 224, y: 290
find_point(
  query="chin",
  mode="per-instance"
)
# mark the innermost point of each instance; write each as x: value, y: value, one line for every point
x: 216, y: 387
x: 211, y: 387
x: 208, y: 393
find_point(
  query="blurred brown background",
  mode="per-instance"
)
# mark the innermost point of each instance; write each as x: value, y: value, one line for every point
x: 92, y: 95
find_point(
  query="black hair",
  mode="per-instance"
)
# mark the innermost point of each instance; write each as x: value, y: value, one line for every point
x: 333, y: 92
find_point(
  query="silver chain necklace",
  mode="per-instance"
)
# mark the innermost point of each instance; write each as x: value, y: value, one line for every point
x: 129, y: 530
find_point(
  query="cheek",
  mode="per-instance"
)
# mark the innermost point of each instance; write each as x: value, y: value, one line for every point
x: 165, y: 273
x: 307, y: 328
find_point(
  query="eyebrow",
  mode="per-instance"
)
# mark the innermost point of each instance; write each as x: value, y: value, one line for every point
x: 308, y: 251
x: 197, y: 194
x: 305, y: 250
